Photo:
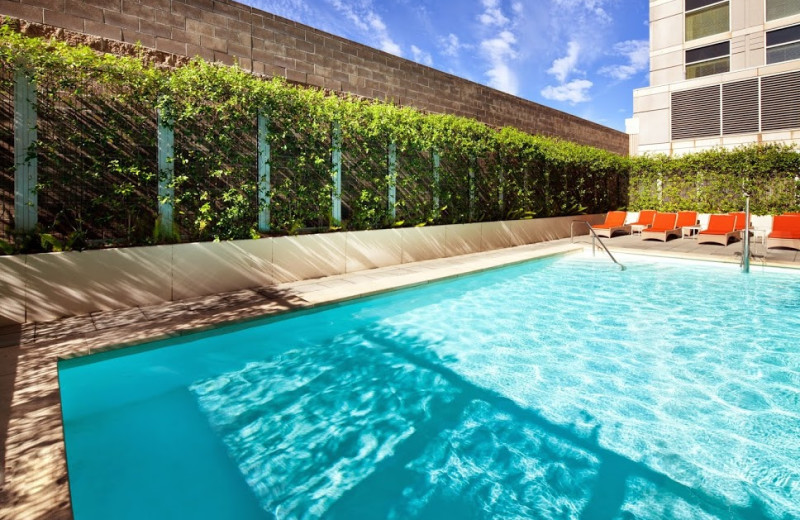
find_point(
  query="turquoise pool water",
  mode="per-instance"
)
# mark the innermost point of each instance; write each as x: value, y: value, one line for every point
x: 560, y: 388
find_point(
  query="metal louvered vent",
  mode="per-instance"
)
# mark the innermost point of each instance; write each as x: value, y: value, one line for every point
x: 740, y: 107
x: 780, y: 101
x: 696, y: 113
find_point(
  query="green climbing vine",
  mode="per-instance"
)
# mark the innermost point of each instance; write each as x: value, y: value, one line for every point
x: 98, y: 171
x: 715, y: 180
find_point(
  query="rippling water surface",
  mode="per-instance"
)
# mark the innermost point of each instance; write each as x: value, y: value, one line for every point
x: 557, y: 389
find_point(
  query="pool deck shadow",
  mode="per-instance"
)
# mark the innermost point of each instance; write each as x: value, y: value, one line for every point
x: 34, y: 477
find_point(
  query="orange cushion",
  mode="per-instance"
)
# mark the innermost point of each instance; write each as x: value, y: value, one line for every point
x: 790, y: 223
x: 645, y: 218
x: 686, y: 218
x: 664, y: 222
x: 720, y: 224
x: 614, y: 218
x: 740, y: 220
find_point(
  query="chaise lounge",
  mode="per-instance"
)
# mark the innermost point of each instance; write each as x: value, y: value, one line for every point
x: 785, y: 232
x: 646, y: 217
x: 664, y: 224
x: 615, y: 221
x: 721, y: 228
x: 741, y: 217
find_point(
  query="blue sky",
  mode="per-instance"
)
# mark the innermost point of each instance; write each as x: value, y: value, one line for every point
x: 584, y: 57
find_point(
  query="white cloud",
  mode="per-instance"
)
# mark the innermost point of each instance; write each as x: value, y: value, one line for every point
x: 503, y: 78
x: 297, y: 10
x: 500, y: 48
x: 363, y: 17
x: 593, y: 8
x: 421, y: 56
x: 563, y: 67
x: 387, y: 45
x: 499, y: 51
x: 492, y: 14
x: 349, y: 13
x: 576, y: 91
x: 638, y: 54
x: 450, y: 45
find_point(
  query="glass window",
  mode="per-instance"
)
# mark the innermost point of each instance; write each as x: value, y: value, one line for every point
x: 783, y: 44
x: 708, y: 60
x: 781, y: 8
x: 707, y: 21
x: 708, y: 68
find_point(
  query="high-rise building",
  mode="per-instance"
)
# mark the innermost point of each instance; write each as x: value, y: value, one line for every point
x: 722, y: 74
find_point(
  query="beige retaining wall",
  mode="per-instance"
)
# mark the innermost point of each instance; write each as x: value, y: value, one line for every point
x: 44, y: 287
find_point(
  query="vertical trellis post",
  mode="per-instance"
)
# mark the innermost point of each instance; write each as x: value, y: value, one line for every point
x: 264, y: 157
x: 436, y: 164
x: 660, y: 189
x: 472, y: 188
x: 392, y: 181
x: 26, y: 199
x: 500, y: 192
x: 166, y: 169
x: 547, y: 193
x: 336, y: 174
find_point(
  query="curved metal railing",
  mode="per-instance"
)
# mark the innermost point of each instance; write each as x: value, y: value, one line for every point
x: 595, y: 238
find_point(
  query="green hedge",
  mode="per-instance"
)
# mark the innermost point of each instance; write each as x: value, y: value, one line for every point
x: 98, y: 172
x: 715, y: 181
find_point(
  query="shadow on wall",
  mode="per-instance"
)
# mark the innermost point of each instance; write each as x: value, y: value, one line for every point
x: 77, y: 283
x: 49, y: 286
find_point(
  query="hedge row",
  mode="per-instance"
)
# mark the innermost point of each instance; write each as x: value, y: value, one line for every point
x: 716, y: 180
x: 98, y: 172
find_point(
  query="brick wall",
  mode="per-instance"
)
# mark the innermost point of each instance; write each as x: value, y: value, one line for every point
x: 227, y: 31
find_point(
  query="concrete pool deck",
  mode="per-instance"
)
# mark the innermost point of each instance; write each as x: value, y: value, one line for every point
x: 34, y: 478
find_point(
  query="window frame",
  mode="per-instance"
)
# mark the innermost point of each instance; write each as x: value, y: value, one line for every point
x: 687, y: 63
x: 704, y: 6
x: 767, y: 47
x: 710, y: 5
x: 768, y: 20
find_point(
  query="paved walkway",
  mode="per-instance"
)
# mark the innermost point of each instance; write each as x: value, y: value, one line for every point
x: 34, y: 483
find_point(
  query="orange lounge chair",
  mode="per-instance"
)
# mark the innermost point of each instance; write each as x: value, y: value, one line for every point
x: 646, y: 217
x: 615, y: 221
x: 663, y: 226
x: 785, y: 232
x: 685, y: 219
x: 740, y: 221
x: 720, y: 230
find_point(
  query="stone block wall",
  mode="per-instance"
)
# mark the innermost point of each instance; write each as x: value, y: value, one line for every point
x: 227, y: 31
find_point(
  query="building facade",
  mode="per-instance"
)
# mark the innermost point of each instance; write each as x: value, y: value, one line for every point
x: 723, y: 73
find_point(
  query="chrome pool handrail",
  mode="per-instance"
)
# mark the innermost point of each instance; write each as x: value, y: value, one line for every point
x: 594, y: 238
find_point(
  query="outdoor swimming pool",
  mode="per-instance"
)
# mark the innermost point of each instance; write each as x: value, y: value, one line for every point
x: 558, y: 388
